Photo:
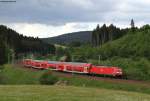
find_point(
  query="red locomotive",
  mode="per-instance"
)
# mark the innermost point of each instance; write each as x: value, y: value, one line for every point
x: 76, y: 67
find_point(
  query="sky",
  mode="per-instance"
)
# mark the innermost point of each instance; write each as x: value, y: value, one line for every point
x: 48, y: 18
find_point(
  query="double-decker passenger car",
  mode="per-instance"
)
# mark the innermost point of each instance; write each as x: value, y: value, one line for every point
x: 76, y: 67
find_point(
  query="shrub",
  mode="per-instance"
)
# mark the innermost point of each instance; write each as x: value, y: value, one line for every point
x: 48, y: 79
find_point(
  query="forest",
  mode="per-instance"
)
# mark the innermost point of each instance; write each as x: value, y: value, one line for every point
x: 15, y: 45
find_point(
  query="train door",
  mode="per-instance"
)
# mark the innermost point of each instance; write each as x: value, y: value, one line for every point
x: 65, y: 67
x: 86, y: 69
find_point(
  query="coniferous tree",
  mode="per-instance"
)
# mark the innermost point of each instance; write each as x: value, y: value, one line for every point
x: 3, y: 54
x: 111, y: 30
x: 100, y: 37
x: 94, y: 39
x: 132, y: 25
x: 97, y: 35
x: 104, y: 33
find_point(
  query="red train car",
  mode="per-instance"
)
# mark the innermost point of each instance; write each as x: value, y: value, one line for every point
x: 104, y: 70
x: 35, y: 63
x: 54, y: 65
x: 27, y: 62
x: 69, y: 66
x: 76, y: 67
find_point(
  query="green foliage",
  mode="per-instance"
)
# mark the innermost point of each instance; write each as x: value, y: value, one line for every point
x: 132, y: 45
x: 48, y: 79
x: 62, y: 54
x: 79, y: 58
x: 60, y: 51
x: 75, y: 44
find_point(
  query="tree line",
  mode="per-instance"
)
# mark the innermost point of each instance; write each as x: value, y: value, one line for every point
x: 13, y: 43
x: 103, y: 34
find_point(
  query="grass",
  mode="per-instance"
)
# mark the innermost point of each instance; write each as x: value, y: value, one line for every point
x: 65, y: 93
x: 12, y: 74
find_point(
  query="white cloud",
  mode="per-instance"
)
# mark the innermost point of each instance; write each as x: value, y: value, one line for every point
x: 43, y: 30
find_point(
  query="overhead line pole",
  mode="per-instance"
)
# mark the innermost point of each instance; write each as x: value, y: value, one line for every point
x: 99, y: 58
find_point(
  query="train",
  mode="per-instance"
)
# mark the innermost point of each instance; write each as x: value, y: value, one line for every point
x: 74, y: 67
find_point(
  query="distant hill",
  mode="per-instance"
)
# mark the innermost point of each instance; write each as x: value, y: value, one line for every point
x: 83, y: 37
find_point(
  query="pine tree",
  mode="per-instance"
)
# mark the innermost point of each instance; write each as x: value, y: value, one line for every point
x: 97, y: 35
x: 3, y: 53
x: 132, y: 25
x: 105, y: 36
x: 111, y: 30
x: 94, y: 38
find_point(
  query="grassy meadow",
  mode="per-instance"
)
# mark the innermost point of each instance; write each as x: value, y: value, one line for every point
x: 66, y: 93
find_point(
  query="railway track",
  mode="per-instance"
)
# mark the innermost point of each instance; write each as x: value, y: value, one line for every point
x: 107, y: 79
x: 93, y: 77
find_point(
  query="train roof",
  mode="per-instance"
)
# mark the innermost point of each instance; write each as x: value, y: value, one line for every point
x: 53, y: 62
x: 69, y: 63
x: 76, y: 63
x: 39, y: 60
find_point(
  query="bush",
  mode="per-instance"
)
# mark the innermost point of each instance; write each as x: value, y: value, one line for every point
x: 48, y: 79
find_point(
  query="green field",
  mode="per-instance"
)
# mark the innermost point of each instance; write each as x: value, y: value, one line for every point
x: 65, y: 93
x: 14, y: 74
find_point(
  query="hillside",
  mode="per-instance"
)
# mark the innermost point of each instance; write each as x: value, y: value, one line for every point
x: 83, y: 37
x: 133, y: 44
x: 22, y: 44
x: 130, y: 52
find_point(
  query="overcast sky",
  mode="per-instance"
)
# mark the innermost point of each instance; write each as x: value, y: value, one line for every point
x: 47, y: 18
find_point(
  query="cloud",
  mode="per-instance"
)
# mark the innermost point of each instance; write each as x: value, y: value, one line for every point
x: 43, y: 30
x: 55, y: 11
x: 58, y: 12
x: 33, y: 17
